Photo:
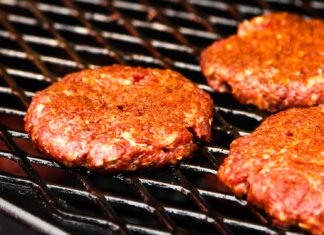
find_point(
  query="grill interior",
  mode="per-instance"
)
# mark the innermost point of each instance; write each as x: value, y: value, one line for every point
x: 42, y: 41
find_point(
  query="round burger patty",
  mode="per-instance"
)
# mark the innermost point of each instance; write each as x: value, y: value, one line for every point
x: 119, y: 118
x: 275, y: 62
x: 280, y: 167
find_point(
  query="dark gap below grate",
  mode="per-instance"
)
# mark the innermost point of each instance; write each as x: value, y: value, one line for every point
x: 10, y: 101
x: 213, y: 11
x: 50, y: 51
x: 138, y: 216
x: 60, y: 18
x: 112, y: 26
x: 227, y: 30
x: 286, y: 7
x: 12, y: 121
x: 157, y: 34
x: 52, y: 2
x: 16, y: 10
x: 241, y: 121
x: 319, y: 10
x: 231, y: 209
x: 10, y: 44
x: 3, y: 83
x: 238, y: 230
x: 13, y: 226
x: 113, y: 186
x: 128, y: 47
x: 61, y: 69
x: 203, y: 180
x: 133, y: 1
x: 178, y: 56
x: 139, y: 15
x: 36, y: 30
x: 250, y: 3
x: 78, y: 38
x: 227, y: 100
x: 131, y: 61
x: 58, y: 176
x: 19, y: 63
x: 31, y: 84
x: 3, y: 146
x: 196, y: 159
x: 81, y: 204
x: 216, y: 185
x: 27, y: 147
x: 97, y: 59
x: 248, y: 16
x: 220, y: 157
x: 172, y: 198
x: 193, y: 75
x: 199, y: 41
x: 23, y: 197
x: 92, y: 7
x: 30, y: 200
x: 158, y: 174
x: 11, y: 167
x: 174, y: 5
x: 187, y: 23
x: 194, y: 226
x: 220, y: 139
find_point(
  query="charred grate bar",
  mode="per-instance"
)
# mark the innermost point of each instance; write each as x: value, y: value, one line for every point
x: 42, y: 41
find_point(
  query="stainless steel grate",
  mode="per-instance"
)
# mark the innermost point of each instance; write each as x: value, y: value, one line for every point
x: 42, y: 41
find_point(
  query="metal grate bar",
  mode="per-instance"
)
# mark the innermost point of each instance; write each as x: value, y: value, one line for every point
x: 48, y: 24
x: 219, y: 223
x: 98, y: 197
x: 16, y: 90
x: 157, y: 207
x: 31, y: 54
x: 93, y: 30
x: 89, y: 186
x: 146, y: 42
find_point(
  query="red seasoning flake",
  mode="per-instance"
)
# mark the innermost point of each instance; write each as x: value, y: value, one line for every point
x: 119, y: 118
x: 280, y: 167
x: 275, y: 62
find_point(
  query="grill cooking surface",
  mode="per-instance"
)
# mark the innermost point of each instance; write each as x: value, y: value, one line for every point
x: 42, y: 41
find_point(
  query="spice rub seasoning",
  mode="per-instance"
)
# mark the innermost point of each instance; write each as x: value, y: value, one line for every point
x: 275, y: 62
x: 280, y: 167
x: 118, y: 118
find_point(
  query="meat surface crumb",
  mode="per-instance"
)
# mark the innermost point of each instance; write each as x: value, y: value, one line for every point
x: 119, y: 118
x: 280, y: 167
x: 275, y: 62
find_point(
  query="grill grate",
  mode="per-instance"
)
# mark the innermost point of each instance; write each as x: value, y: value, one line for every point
x: 42, y: 41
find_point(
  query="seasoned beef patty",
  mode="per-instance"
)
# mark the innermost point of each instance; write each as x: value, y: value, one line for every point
x: 280, y: 167
x: 275, y: 62
x: 119, y: 118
